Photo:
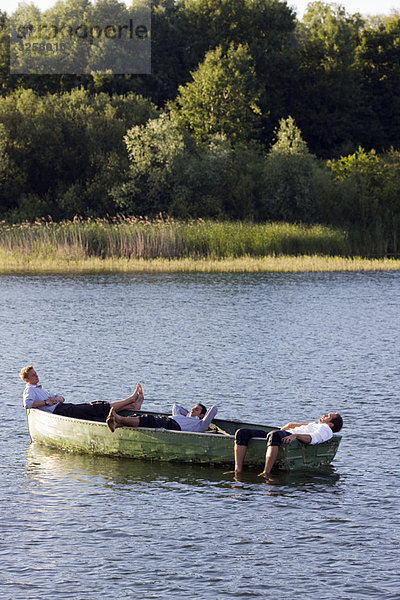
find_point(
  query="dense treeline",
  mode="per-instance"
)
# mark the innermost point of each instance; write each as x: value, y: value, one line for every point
x: 248, y: 114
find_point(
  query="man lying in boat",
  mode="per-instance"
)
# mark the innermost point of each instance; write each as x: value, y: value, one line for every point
x: 197, y: 420
x: 307, y: 433
x: 35, y: 396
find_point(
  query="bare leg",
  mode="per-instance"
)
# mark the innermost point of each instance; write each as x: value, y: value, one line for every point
x: 270, y: 458
x: 114, y: 420
x: 240, y: 453
x: 132, y: 402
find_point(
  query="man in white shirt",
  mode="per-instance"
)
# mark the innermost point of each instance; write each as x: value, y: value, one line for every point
x: 197, y: 420
x: 307, y: 433
x: 35, y: 396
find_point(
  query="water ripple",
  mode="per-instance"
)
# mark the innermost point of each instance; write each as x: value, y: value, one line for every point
x: 265, y: 347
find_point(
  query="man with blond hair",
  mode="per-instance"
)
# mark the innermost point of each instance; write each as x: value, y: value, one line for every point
x: 35, y: 396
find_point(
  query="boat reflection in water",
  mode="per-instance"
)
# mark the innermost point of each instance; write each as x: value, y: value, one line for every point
x: 57, y: 468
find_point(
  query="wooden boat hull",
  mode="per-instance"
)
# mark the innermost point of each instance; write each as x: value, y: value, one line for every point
x: 214, y: 448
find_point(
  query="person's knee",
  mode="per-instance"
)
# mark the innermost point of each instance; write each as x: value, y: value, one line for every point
x: 274, y: 438
x: 242, y: 437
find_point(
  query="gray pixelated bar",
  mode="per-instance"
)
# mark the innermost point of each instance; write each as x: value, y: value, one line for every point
x: 107, y: 38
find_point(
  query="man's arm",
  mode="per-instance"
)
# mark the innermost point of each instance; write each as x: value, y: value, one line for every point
x: 32, y: 401
x: 49, y: 401
x: 179, y: 410
x: 292, y: 426
x: 305, y: 438
x: 208, y: 417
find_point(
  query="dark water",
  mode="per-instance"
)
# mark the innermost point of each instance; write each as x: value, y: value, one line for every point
x: 269, y: 348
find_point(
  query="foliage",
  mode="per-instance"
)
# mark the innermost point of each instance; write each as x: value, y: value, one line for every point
x: 336, y: 73
x: 225, y: 75
x: 222, y: 98
x: 152, y: 149
x: 65, y: 152
x: 170, y: 172
x: 368, y: 194
x: 330, y: 107
x: 291, y: 177
x: 378, y: 61
x: 77, y: 36
x: 266, y: 28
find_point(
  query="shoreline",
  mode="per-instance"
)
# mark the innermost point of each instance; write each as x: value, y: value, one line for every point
x: 21, y: 265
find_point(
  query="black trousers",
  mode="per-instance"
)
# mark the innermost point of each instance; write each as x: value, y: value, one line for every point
x: 158, y: 422
x: 88, y: 412
x: 274, y: 438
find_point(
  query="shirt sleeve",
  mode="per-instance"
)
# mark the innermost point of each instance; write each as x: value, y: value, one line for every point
x: 29, y: 397
x: 208, y: 417
x: 179, y: 410
x: 33, y: 394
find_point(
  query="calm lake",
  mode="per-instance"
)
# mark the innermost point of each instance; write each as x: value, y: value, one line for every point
x: 264, y: 347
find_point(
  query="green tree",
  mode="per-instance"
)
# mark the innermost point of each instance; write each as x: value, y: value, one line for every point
x: 200, y: 179
x: 329, y: 107
x: 66, y: 151
x: 4, y: 170
x: 378, y: 59
x: 222, y: 98
x: 5, y: 81
x: 267, y: 28
x: 360, y: 177
x: 171, y: 173
x: 368, y: 192
x: 152, y: 149
x: 244, y: 182
x: 291, y: 181
x: 169, y: 54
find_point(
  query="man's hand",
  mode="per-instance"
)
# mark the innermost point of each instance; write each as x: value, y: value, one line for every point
x: 288, y: 439
x: 55, y: 399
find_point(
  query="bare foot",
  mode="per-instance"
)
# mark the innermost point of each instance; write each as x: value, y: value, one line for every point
x: 135, y: 400
x: 140, y: 397
x: 133, y: 397
x: 110, y: 421
x: 268, y: 477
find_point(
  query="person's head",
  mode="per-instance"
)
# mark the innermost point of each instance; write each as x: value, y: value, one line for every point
x: 29, y: 375
x: 334, y: 420
x: 198, y: 411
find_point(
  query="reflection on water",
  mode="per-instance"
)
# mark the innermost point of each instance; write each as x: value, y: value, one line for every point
x: 46, y: 464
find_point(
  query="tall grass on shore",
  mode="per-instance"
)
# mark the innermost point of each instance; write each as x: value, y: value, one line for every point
x: 166, y: 245
x: 11, y: 264
x: 142, y: 238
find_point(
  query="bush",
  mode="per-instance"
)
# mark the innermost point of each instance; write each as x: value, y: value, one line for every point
x: 65, y: 150
x: 291, y: 180
x: 368, y: 192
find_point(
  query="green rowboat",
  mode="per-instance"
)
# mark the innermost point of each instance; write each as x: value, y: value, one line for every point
x: 215, y: 447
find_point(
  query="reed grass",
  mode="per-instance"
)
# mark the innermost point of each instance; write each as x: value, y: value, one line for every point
x: 168, y: 238
x: 18, y: 264
x: 168, y: 245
